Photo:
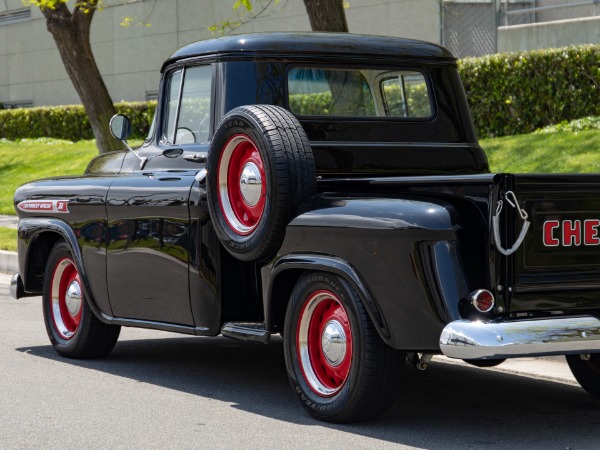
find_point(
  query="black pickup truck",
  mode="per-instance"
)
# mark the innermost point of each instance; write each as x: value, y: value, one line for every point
x: 329, y: 188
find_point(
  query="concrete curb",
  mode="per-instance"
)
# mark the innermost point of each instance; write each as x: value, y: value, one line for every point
x: 9, y: 262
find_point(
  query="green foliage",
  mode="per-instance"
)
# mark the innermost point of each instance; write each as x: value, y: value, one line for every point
x: 50, y: 4
x: 515, y: 93
x: 318, y: 104
x: 245, y: 3
x: 587, y: 123
x: 68, y: 122
x: 84, y: 5
x: 417, y: 100
x: 244, y: 12
x: 141, y: 115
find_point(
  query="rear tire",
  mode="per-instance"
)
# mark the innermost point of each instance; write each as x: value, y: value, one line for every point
x: 337, y: 364
x: 586, y: 372
x: 484, y: 362
x: 73, y: 329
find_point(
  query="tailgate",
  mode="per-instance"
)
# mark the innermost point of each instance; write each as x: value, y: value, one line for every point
x: 557, y: 267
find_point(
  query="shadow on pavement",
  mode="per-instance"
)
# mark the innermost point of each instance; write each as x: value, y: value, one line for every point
x: 446, y: 406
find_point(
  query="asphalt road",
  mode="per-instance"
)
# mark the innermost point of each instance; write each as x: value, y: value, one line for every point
x: 160, y: 390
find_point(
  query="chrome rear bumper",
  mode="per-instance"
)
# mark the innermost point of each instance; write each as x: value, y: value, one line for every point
x: 465, y: 339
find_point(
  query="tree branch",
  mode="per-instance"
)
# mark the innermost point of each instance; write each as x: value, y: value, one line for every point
x: 83, y: 13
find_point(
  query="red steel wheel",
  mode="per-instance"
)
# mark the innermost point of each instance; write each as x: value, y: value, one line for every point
x: 324, y: 343
x: 65, y: 298
x: 241, y: 184
x: 337, y: 364
x: 260, y: 168
x: 73, y: 328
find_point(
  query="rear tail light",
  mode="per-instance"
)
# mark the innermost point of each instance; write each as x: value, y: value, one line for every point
x: 483, y: 300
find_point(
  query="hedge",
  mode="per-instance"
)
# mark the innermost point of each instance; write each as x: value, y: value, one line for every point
x: 509, y: 93
x: 68, y: 122
x: 515, y: 93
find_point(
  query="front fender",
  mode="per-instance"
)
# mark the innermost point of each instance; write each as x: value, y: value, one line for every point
x: 31, y: 231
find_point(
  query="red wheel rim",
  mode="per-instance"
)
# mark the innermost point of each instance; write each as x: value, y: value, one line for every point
x: 324, y: 343
x: 66, y: 299
x: 241, y: 184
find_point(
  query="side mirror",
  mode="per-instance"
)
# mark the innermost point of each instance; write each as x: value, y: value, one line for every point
x: 120, y: 127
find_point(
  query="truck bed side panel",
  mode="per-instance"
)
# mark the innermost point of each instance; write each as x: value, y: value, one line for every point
x: 405, y: 249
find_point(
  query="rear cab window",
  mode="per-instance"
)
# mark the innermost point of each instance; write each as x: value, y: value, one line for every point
x: 359, y: 92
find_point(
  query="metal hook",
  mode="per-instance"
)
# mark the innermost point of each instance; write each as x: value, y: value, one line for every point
x: 496, y: 224
x: 508, y: 196
x: 499, y: 208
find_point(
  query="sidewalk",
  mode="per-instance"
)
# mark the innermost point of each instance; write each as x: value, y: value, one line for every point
x: 551, y: 368
x: 8, y: 260
x: 8, y: 221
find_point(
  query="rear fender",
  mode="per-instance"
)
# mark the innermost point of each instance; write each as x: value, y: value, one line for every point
x: 300, y: 263
x: 412, y: 259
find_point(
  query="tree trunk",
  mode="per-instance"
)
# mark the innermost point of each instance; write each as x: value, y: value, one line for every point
x: 71, y: 32
x: 326, y: 15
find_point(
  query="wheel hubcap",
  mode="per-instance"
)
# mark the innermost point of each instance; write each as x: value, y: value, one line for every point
x: 333, y: 343
x: 241, y: 185
x: 73, y: 298
x: 251, y: 184
x: 66, y: 299
x: 324, y: 343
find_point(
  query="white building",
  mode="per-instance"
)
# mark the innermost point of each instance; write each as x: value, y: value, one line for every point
x: 129, y: 58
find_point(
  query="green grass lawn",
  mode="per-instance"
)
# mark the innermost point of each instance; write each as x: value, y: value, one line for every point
x: 8, y: 239
x: 31, y: 159
x: 545, y: 152
x: 562, y: 151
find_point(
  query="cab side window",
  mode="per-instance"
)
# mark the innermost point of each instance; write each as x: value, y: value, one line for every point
x: 187, y: 106
x: 172, y: 102
x: 405, y: 94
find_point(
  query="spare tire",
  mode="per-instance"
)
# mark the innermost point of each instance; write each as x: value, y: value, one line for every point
x: 260, y: 168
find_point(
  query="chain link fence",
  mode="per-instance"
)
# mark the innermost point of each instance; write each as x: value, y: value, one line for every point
x: 470, y: 26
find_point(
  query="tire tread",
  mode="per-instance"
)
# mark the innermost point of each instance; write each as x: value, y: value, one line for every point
x: 293, y: 172
x: 93, y: 338
x: 377, y: 367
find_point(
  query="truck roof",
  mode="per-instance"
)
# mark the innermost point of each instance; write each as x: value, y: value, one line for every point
x: 316, y: 45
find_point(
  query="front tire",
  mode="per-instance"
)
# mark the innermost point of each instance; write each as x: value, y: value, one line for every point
x: 337, y: 364
x: 586, y: 372
x: 73, y: 329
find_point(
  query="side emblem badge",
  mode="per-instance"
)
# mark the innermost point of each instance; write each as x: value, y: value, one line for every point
x: 48, y: 206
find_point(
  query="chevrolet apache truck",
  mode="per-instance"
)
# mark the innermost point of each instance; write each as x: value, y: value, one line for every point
x: 329, y: 188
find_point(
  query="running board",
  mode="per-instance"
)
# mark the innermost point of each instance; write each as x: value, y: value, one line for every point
x: 246, y: 331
